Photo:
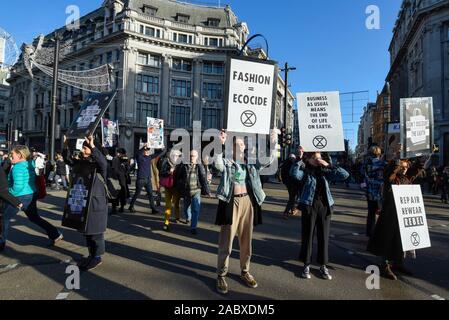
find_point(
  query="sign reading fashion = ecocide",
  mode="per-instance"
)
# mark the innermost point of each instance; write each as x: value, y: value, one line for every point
x: 155, y: 129
x: 417, y: 127
x: 320, y: 122
x: 412, y: 217
x: 90, y: 114
x: 251, y: 87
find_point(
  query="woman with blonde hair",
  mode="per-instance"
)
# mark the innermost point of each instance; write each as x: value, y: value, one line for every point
x: 22, y: 185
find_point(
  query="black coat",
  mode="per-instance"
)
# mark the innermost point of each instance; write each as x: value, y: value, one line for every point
x: 386, y: 240
x: 120, y: 171
x: 4, y: 190
x: 61, y: 168
x: 181, y: 180
x: 98, y: 207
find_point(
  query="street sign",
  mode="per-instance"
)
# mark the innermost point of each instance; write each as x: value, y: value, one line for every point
x: 411, y: 217
x: 320, y: 122
x: 416, y: 127
x: 250, y: 101
x: 90, y: 114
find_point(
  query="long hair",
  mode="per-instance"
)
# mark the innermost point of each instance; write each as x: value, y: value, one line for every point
x: 23, y: 151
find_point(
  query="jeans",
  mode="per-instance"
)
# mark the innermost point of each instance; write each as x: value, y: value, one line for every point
x: 192, y: 207
x: 30, y: 208
x: 140, y: 184
x: 96, y: 245
x: 63, y: 178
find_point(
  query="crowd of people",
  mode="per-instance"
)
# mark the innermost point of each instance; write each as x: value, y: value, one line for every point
x: 308, y: 177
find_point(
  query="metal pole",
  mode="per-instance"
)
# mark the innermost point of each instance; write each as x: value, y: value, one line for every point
x: 284, y: 151
x: 54, y: 97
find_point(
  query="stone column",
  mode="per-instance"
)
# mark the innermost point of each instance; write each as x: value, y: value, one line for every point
x: 198, y: 64
x: 164, y: 106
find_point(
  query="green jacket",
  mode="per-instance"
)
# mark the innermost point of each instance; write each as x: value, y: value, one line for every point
x: 22, y: 179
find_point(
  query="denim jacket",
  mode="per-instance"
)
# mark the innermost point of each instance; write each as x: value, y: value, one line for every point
x: 228, y: 168
x: 298, y: 173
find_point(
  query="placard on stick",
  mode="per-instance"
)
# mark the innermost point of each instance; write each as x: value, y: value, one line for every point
x: 320, y: 122
x: 411, y: 217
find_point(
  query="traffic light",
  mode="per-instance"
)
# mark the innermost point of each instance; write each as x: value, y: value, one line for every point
x: 286, y: 138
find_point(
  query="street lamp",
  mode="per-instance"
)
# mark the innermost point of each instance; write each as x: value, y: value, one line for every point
x: 286, y: 70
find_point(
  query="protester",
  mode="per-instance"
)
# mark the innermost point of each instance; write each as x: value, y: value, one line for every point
x: 22, y: 185
x: 445, y: 185
x: 386, y: 239
x: 5, y: 196
x: 316, y: 204
x: 91, y: 158
x: 120, y: 171
x: 144, y: 159
x: 155, y: 183
x: 240, y: 197
x: 39, y: 160
x: 49, y: 172
x: 172, y: 197
x: 61, y: 172
x: 191, y: 182
x: 292, y: 186
x: 374, y: 169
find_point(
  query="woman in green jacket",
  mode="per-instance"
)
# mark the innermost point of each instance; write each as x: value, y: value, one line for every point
x: 22, y: 185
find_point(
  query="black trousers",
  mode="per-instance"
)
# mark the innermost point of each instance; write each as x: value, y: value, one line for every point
x: 373, y: 206
x: 122, y: 197
x: 96, y: 245
x: 292, y: 196
x: 315, y: 218
x: 140, y: 184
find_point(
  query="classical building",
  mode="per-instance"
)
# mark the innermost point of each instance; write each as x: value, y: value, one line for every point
x: 4, y: 104
x: 366, y: 130
x: 168, y: 61
x: 419, y: 54
x: 381, y: 116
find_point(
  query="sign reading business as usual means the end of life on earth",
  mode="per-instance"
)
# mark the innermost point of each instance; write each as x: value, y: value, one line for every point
x: 411, y: 217
x: 251, y: 85
x: 320, y: 122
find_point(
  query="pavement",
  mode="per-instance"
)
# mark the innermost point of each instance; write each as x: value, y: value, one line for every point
x: 144, y: 262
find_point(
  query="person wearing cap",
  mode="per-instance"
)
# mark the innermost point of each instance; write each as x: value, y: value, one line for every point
x: 120, y: 169
x: 144, y: 158
x: 92, y: 159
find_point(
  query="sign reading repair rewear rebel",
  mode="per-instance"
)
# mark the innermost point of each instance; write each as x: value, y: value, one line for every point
x: 251, y: 87
x: 320, y: 122
x: 411, y: 217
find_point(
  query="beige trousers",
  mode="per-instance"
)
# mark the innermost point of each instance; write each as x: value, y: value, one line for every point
x: 243, y: 223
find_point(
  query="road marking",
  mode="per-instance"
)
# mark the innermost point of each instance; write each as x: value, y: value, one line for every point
x: 11, y: 266
x: 437, y: 297
x: 62, y: 296
x: 443, y: 225
x: 351, y: 253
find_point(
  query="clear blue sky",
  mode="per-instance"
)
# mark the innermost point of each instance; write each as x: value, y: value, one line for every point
x: 326, y: 40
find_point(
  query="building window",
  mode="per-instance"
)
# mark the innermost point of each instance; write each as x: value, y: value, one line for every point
x: 182, y: 38
x: 180, y: 116
x: 182, y: 65
x: 211, y: 118
x: 213, y: 42
x: 149, y: 10
x: 212, y: 22
x: 181, y: 88
x: 213, y: 67
x: 149, y: 60
x: 149, y: 31
x: 148, y: 84
x: 182, y: 18
x: 117, y: 55
x: 109, y: 57
x: 212, y: 91
x: 117, y: 79
x: 145, y: 110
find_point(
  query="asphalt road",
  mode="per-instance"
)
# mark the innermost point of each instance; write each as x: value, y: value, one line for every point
x: 144, y: 262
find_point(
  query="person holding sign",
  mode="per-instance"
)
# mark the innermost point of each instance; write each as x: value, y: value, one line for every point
x: 386, y: 240
x: 97, y: 216
x: 22, y: 185
x: 316, y: 204
x: 239, y: 210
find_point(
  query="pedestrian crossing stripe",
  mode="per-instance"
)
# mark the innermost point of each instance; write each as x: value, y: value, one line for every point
x: 62, y: 296
x: 437, y: 297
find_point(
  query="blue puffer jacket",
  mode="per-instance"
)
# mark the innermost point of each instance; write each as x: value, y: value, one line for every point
x: 22, y: 179
x: 299, y: 173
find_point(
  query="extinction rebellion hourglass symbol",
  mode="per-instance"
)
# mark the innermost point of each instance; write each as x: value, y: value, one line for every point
x: 248, y: 118
x: 320, y: 142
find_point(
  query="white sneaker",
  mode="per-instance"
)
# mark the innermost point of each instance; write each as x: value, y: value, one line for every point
x: 306, y: 273
x: 325, y: 273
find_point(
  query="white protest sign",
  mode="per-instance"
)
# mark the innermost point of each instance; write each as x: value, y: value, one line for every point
x: 155, y: 130
x: 320, y: 122
x: 250, y: 99
x: 412, y: 217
